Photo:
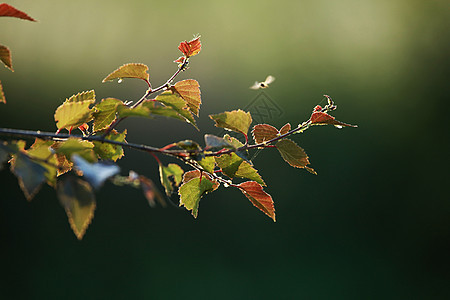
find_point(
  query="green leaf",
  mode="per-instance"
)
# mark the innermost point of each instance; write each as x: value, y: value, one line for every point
x: 73, y: 114
x: 292, y: 153
x: 171, y: 177
x: 30, y: 174
x: 76, y: 146
x: 5, y: 57
x: 108, y: 151
x: 191, y: 191
x: 82, y: 96
x: 41, y: 150
x: 234, y: 166
x: 161, y: 110
x: 138, y: 111
x: 2, y: 95
x: 178, y: 104
x: 236, y: 120
x: 78, y: 200
x: 129, y: 71
x: 105, y: 113
x: 208, y: 163
x: 189, y: 90
x: 259, y: 198
x: 215, y: 143
x: 188, y: 145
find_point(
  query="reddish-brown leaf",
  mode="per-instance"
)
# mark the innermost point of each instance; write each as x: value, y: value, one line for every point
x: 5, y: 57
x: 285, y: 129
x: 322, y: 118
x: 264, y: 132
x: 255, y: 193
x: 7, y: 10
x: 190, y: 48
x: 189, y: 90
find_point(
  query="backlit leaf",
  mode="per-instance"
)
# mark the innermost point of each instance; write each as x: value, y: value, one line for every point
x: 236, y: 120
x: 208, y: 163
x: 107, y: 151
x: 285, y: 129
x: 129, y: 71
x: 188, y: 145
x: 292, y: 153
x: 105, y: 113
x: 190, y: 48
x: 82, y: 96
x: 171, y: 177
x: 5, y: 57
x: 30, y: 174
x: 78, y: 200
x: 73, y: 114
x: 189, y: 90
x: 95, y: 173
x: 215, y: 143
x: 191, y: 191
x: 7, y: 10
x: 2, y: 95
x: 47, y: 159
x: 229, y: 163
x: 166, y: 111
x: 75, y: 146
x: 264, y: 132
x: 245, y: 170
x: 138, y: 111
x: 168, y: 98
x: 259, y: 198
x: 196, y: 174
x: 322, y: 118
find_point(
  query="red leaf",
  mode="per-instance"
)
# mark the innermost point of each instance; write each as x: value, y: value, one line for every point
x: 321, y: 118
x: 255, y: 193
x: 264, y: 132
x: 5, y: 57
x: 7, y: 10
x: 285, y: 129
x: 190, y: 48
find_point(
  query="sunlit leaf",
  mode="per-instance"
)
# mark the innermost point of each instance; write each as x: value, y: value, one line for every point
x: 138, y: 111
x: 292, y: 153
x: 208, y: 163
x: 259, y: 198
x: 189, y: 90
x: 105, y: 113
x: 245, y: 170
x: 5, y: 57
x: 107, y: 151
x: 234, y: 166
x: 237, y: 144
x: 82, y: 96
x: 285, y: 129
x: 30, y: 174
x: 46, y: 158
x: 73, y: 114
x: 215, y: 143
x: 190, y: 48
x: 75, y: 146
x: 188, y: 145
x: 78, y: 200
x: 168, y: 98
x: 95, y: 173
x: 129, y: 71
x: 7, y: 10
x: 2, y: 95
x: 236, y: 120
x: 264, y: 132
x: 171, y: 177
x: 191, y: 191
x: 322, y: 118
x: 196, y: 174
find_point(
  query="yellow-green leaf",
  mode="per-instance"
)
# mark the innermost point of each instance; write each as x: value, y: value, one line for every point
x: 208, y: 163
x: 236, y: 120
x: 234, y: 166
x: 46, y: 158
x: 129, y: 71
x: 108, y: 151
x: 78, y: 200
x: 192, y: 191
x: 105, y: 113
x: 73, y: 114
x: 171, y: 177
x: 168, y: 98
x: 138, y: 111
x: 82, y: 96
x: 76, y: 146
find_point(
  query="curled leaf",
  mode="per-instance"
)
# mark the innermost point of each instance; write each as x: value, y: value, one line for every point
x: 5, y: 57
x: 7, y: 10
x: 129, y: 71
x: 322, y: 118
x: 259, y: 198
x: 190, y: 48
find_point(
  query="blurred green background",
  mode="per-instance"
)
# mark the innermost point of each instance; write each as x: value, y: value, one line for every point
x: 374, y: 224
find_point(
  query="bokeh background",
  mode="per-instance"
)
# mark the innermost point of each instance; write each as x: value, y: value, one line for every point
x: 375, y: 222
